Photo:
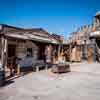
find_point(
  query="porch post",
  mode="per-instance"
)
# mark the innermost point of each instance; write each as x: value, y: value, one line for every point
x: 59, y: 49
x: 2, y: 71
x: 70, y: 48
x: 94, y: 48
x: 48, y: 51
x: 48, y: 55
x: 4, y: 52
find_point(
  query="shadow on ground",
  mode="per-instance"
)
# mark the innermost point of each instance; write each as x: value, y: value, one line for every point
x: 10, y: 80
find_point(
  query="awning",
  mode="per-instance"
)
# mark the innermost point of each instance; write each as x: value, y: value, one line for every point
x: 28, y: 36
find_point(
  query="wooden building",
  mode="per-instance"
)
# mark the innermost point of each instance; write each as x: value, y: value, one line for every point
x: 87, y: 41
x: 18, y: 42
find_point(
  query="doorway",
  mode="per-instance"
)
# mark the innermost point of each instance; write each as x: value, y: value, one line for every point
x: 98, y: 43
x: 11, y: 59
x: 11, y: 54
x: 11, y: 50
x: 41, y: 52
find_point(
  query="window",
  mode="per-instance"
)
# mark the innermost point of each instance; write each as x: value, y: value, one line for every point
x: 29, y: 51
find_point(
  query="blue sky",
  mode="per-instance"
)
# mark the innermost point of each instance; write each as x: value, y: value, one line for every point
x: 59, y: 16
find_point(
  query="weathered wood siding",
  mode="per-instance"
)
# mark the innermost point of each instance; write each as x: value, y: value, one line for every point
x: 34, y: 47
x: 21, y: 48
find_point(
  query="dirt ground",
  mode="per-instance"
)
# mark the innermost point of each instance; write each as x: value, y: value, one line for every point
x: 82, y: 83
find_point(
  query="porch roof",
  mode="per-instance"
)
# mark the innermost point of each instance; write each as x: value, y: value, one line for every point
x: 36, y: 34
x: 29, y: 36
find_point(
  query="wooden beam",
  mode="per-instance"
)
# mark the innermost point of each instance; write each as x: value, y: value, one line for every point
x: 2, y: 71
x: 70, y: 48
x: 3, y: 51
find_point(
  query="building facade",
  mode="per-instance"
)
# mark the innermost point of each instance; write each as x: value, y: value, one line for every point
x: 18, y: 43
x: 87, y: 39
